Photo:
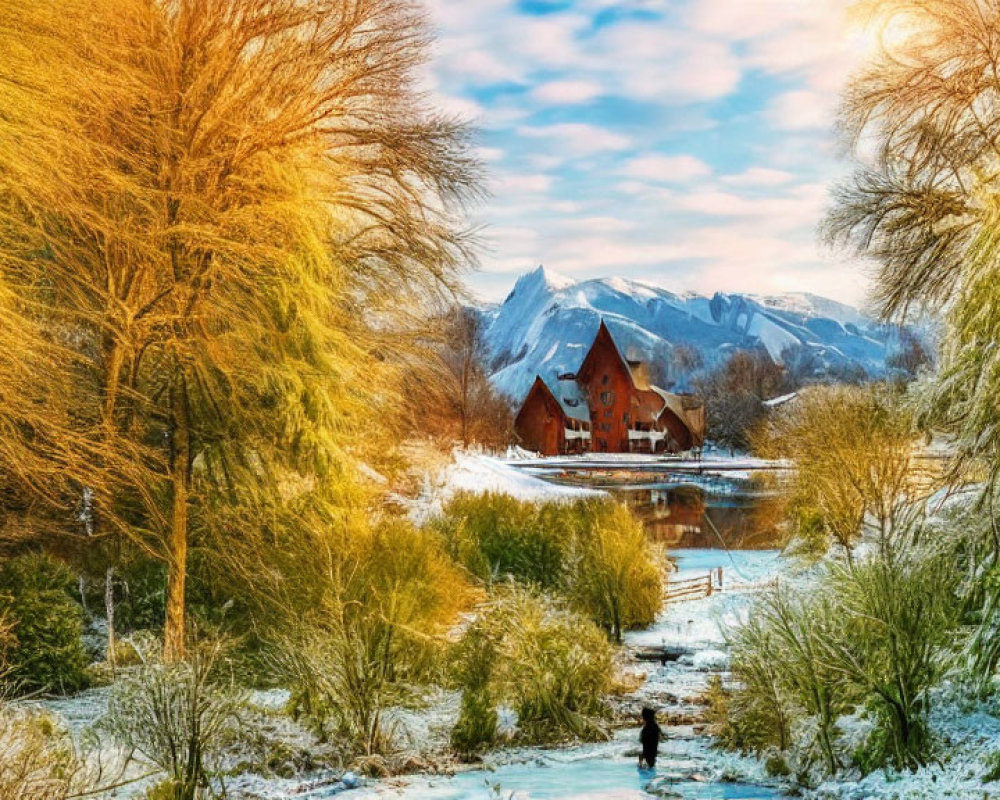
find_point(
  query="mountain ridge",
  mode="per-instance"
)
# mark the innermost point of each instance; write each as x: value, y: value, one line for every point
x: 548, y: 320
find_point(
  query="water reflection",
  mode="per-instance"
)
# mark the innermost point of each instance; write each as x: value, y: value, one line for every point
x: 690, y: 516
x: 741, y: 511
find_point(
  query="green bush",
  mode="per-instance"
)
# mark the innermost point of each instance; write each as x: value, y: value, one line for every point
x: 473, y: 671
x: 376, y: 638
x: 179, y: 717
x: 617, y: 580
x: 544, y: 660
x: 876, y: 635
x: 992, y: 764
x: 592, y: 552
x: 757, y: 716
x: 495, y: 536
x: 903, y: 619
x: 476, y: 727
x: 46, y: 626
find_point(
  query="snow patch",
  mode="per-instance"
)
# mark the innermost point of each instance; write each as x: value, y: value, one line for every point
x: 482, y: 474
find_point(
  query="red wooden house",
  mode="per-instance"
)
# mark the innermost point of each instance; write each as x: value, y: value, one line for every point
x: 608, y: 406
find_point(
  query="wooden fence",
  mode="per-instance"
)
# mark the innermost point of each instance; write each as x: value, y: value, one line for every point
x: 694, y: 588
x: 680, y: 591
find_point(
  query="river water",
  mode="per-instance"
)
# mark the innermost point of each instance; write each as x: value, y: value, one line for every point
x: 737, y: 509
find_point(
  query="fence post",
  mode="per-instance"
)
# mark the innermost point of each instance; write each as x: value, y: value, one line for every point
x: 721, y: 586
x: 709, y: 585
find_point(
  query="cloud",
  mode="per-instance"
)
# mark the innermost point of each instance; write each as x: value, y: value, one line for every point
x: 758, y: 177
x: 599, y: 224
x: 665, y: 169
x: 521, y: 183
x: 490, y: 154
x: 566, y: 92
x: 577, y: 139
x: 802, y: 110
x: 686, y: 143
x: 656, y: 62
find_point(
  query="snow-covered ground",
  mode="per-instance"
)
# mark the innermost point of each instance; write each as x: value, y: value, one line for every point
x: 701, y: 624
x: 480, y: 473
x: 689, y: 766
x: 607, y: 771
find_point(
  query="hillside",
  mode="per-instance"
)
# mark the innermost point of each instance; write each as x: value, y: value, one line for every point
x: 547, y: 322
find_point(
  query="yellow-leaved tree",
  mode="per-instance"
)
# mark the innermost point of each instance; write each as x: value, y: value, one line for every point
x: 218, y: 216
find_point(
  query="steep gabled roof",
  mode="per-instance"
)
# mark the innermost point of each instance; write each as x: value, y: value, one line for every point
x: 654, y: 401
x: 541, y: 390
x: 603, y: 339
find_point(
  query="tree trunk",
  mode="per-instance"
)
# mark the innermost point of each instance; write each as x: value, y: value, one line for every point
x: 617, y: 620
x: 82, y: 585
x: 173, y: 635
x: 109, y: 613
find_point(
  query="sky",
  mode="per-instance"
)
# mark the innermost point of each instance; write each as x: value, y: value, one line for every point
x: 685, y: 143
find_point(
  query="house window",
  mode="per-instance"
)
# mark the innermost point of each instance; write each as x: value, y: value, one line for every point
x: 607, y: 398
x: 604, y: 380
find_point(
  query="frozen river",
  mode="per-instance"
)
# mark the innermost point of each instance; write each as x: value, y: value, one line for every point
x: 674, y: 509
x: 688, y: 767
x: 590, y: 777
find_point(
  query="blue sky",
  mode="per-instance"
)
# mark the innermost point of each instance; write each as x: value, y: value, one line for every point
x: 687, y: 143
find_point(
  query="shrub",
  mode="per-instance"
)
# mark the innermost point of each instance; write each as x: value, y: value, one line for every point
x: 853, y: 452
x: 38, y: 759
x: 7, y: 643
x: 378, y: 637
x: 903, y: 620
x: 496, y: 536
x: 617, y: 581
x: 592, y: 552
x: 992, y: 764
x: 476, y: 727
x: 758, y: 716
x: 876, y: 635
x: 473, y: 671
x: 46, y: 649
x: 549, y: 663
x: 180, y: 717
x: 780, y: 657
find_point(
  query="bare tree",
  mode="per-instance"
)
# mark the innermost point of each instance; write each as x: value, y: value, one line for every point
x: 734, y: 396
x: 482, y: 413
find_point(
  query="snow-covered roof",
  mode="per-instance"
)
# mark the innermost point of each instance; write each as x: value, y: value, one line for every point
x: 573, y: 400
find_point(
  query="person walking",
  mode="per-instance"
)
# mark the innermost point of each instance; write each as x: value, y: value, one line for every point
x: 649, y: 737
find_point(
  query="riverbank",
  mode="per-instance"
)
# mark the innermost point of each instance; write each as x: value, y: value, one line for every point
x: 688, y: 767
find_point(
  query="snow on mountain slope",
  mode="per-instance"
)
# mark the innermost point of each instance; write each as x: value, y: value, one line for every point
x: 548, y: 321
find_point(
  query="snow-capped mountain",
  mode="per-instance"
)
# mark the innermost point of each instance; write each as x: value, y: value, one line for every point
x: 548, y: 321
